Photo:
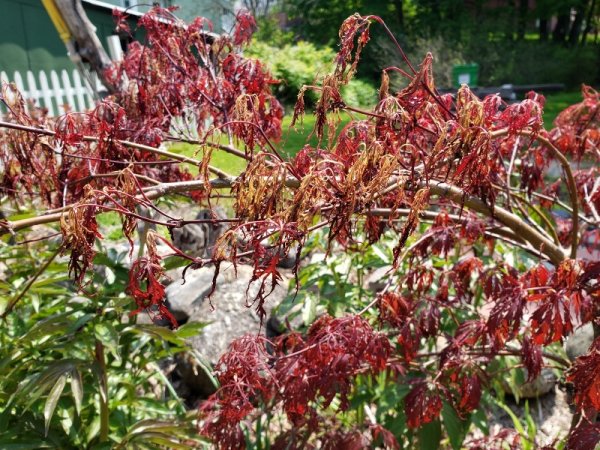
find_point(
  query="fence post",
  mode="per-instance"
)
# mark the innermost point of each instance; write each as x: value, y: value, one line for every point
x: 57, y: 91
x: 21, y: 87
x: 34, y: 93
x: 80, y: 91
x: 46, y: 93
x: 67, y: 89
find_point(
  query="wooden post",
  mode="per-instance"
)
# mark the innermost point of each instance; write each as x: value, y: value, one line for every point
x: 83, y: 33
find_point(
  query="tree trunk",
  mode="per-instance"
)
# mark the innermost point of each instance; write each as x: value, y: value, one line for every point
x: 399, y: 13
x: 543, y: 29
x: 588, y: 22
x: 522, y: 19
x: 87, y: 43
x: 576, y: 27
x: 560, y: 29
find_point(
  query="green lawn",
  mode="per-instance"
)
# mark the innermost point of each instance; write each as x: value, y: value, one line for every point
x: 293, y: 140
x: 555, y: 103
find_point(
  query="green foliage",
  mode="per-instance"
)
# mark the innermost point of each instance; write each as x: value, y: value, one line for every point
x: 502, y: 39
x: 445, y: 56
x: 269, y: 31
x: 527, y: 62
x: 360, y: 93
x: 295, y: 65
x: 555, y: 103
x: 76, y: 371
x: 298, y: 64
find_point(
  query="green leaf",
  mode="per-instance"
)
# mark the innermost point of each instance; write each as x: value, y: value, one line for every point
x: 190, y: 329
x: 81, y: 322
x: 309, y: 309
x: 385, y: 258
x: 109, y: 275
x: 47, y: 281
x: 46, y: 327
x: 480, y: 420
x: 29, y: 391
x: 52, y: 400
x: 205, y: 366
x: 25, y: 444
x: 430, y: 436
x: 456, y: 428
x: 77, y: 389
x: 518, y: 426
x: 161, y: 439
x: 157, y: 331
x: 105, y: 332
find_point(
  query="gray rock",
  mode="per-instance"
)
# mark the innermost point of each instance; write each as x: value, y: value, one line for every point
x: 229, y: 317
x: 543, y: 384
x: 377, y: 279
x: 539, y: 387
x: 186, y: 298
x: 198, y: 239
x: 578, y: 343
x: 288, y: 261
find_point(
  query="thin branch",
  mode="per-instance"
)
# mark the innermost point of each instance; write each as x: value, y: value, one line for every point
x: 512, y: 221
x: 570, y: 180
x: 11, y: 304
x: 147, y: 148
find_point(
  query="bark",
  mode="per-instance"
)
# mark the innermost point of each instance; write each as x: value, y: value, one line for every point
x: 576, y: 27
x: 588, y: 22
x: 87, y: 43
x: 543, y: 29
x: 522, y: 19
x: 399, y: 13
x: 560, y: 29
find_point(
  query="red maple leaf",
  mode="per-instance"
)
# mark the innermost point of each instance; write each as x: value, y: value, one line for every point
x: 422, y: 405
x: 585, y: 376
x: 585, y: 437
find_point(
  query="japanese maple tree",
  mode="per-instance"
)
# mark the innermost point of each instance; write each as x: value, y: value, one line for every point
x: 449, y: 178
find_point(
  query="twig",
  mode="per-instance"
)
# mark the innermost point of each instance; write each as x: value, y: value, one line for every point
x: 11, y: 304
x: 512, y: 221
x: 130, y: 144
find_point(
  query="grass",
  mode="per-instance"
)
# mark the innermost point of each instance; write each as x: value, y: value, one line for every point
x: 293, y: 140
x: 291, y: 143
x: 555, y: 103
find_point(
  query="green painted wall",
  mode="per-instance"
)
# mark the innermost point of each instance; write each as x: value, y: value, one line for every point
x: 29, y: 41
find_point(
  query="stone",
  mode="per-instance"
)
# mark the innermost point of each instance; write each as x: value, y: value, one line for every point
x: 198, y: 239
x: 539, y: 387
x: 578, y: 343
x: 229, y: 317
x: 377, y: 280
x: 543, y: 384
x: 185, y: 298
x: 288, y: 261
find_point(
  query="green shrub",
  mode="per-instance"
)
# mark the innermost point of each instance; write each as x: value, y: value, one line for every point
x: 530, y: 62
x: 500, y: 60
x: 297, y: 65
x: 360, y: 93
x: 444, y: 57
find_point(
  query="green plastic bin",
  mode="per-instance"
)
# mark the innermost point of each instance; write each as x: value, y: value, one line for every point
x: 465, y: 74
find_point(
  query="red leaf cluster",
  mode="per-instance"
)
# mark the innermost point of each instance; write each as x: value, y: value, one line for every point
x: 320, y: 366
x: 145, y: 286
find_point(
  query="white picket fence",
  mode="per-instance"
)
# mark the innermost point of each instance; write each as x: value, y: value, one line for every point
x: 55, y: 90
